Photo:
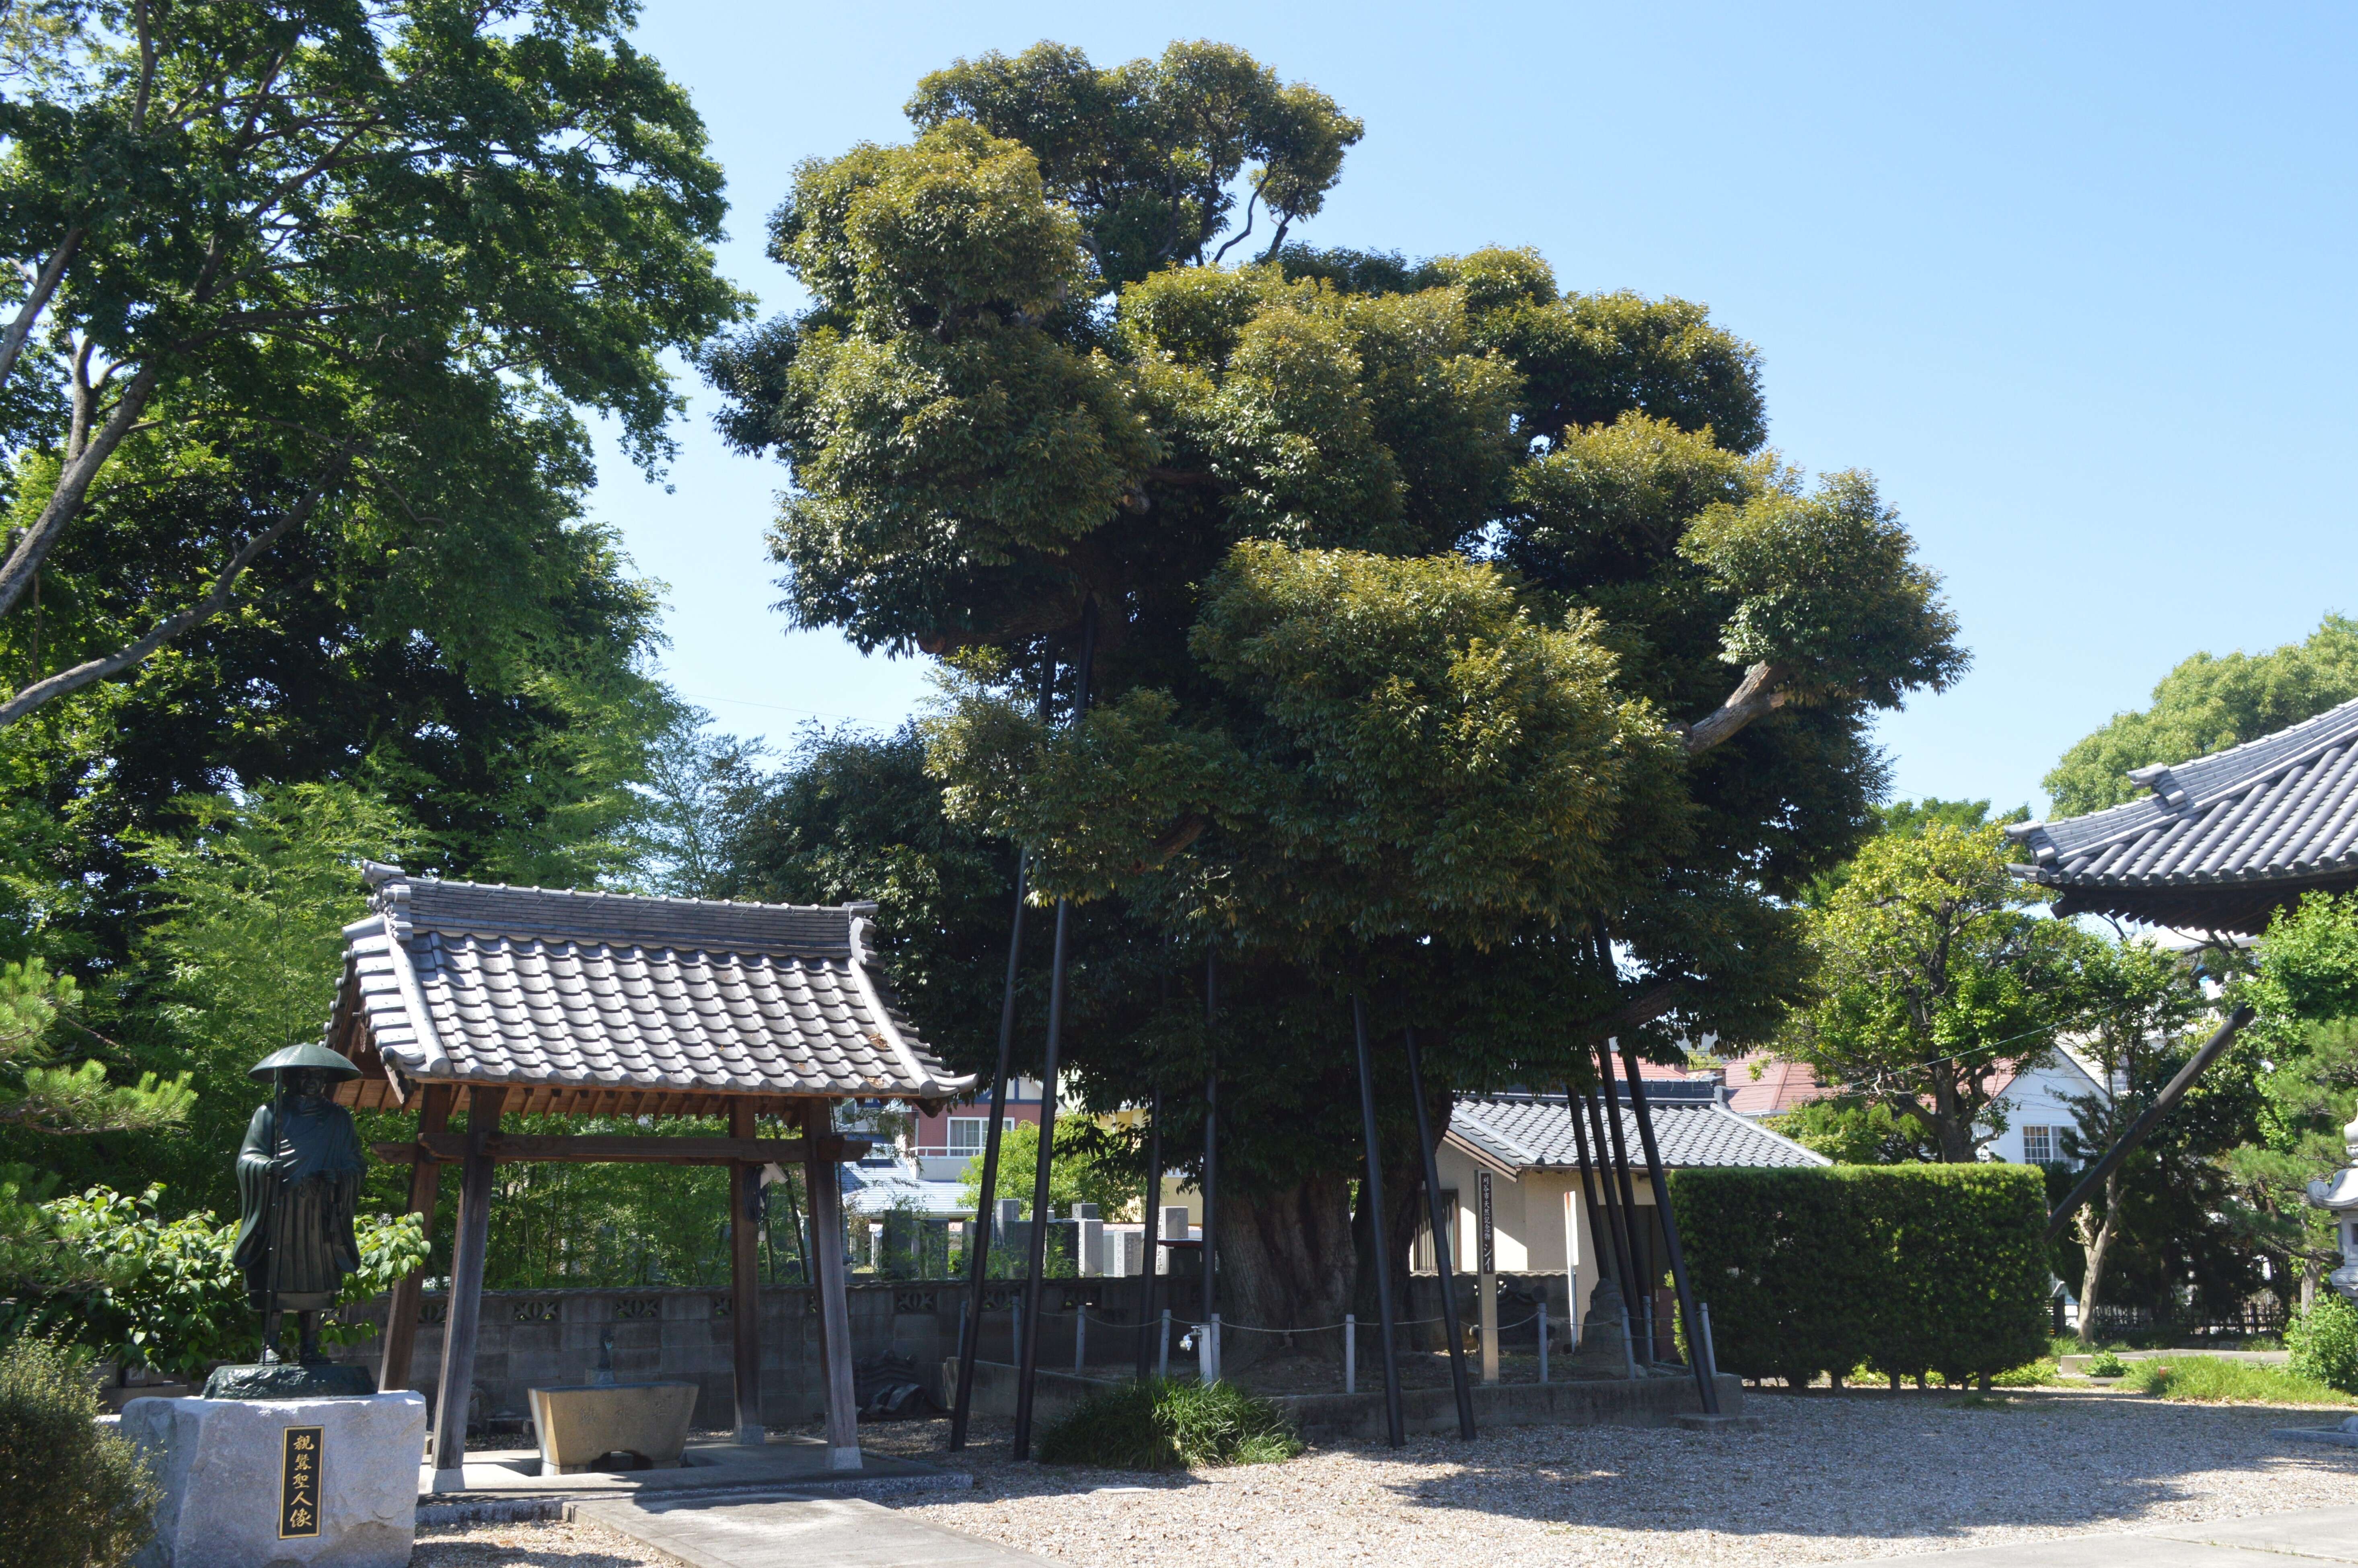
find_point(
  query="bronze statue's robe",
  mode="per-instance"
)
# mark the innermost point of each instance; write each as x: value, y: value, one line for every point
x: 304, y: 1223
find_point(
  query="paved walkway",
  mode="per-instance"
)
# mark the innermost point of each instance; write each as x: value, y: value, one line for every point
x: 814, y: 1533
x: 2318, y: 1535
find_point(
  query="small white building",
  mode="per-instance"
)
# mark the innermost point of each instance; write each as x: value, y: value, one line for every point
x: 2035, y: 1100
x: 1522, y: 1147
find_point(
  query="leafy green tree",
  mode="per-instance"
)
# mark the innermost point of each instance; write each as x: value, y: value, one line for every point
x: 1456, y: 645
x: 2135, y: 1005
x: 313, y: 268
x: 1849, y: 1133
x: 1939, y: 976
x: 2207, y: 704
x: 1075, y: 1175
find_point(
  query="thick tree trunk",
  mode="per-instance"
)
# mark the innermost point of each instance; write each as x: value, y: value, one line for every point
x: 1288, y: 1260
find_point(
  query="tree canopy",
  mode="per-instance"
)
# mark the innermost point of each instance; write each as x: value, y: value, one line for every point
x: 1455, y: 639
x: 345, y: 269
x: 2208, y: 703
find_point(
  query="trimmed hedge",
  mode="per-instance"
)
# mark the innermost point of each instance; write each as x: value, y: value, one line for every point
x: 1899, y: 1269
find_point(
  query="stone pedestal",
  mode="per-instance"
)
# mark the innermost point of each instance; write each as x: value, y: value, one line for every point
x: 233, y: 1474
x: 1605, y: 1350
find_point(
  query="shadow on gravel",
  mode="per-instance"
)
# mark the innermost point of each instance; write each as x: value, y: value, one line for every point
x: 1879, y: 1468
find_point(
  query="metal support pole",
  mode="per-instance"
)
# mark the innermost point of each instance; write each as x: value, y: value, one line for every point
x: 978, y: 1257
x: 1617, y: 1228
x: 1543, y: 1339
x: 1711, y: 1351
x: 1027, y: 1364
x: 1638, y: 1257
x: 1162, y: 1350
x: 1210, y: 1313
x: 1393, y: 1430
x: 1148, y: 1254
x: 1444, y: 1265
x: 1080, y: 1338
x: 2093, y: 1181
x: 1350, y: 1354
x: 1661, y: 1186
x: 1600, y: 1240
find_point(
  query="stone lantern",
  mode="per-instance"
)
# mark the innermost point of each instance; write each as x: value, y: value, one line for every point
x: 2339, y: 1198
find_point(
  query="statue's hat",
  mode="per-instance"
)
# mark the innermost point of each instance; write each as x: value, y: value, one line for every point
x: 311, y: 1054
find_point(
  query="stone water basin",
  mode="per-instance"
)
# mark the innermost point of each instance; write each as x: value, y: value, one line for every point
x: 581, y: 1425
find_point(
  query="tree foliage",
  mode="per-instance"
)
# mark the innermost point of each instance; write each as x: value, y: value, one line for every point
x: 1939, y: 976
x: 342, y: 269
x: 2207, y: 704
x: 1453, y: 640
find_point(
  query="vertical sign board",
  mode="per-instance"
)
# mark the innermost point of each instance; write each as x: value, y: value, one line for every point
x: 299, y: 1482
x: 1487, y: 1263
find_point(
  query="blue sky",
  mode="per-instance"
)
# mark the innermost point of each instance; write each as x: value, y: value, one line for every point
x: 2072, y: 282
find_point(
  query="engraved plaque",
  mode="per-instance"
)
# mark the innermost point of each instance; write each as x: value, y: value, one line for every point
x: 299, y: 1482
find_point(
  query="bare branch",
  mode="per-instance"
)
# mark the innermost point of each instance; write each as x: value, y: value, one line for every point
x: 171, y: 626
x: 1760, y: 694
x: 1644, y: 1008
x: 44, y: 287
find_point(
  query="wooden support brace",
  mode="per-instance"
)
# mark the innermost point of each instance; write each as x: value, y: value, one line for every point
x: 457, y: 1383
x: 602, y: 1149
x: 744, y: 1281
x: 401, y: 1312
x: 826, y: 1205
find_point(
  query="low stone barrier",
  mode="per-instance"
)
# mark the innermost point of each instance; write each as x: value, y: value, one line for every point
x: 1359, y: 1418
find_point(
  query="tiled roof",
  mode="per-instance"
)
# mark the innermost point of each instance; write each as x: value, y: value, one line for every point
x: 608, y: 1004
x: 1780, y: 1087
x: 2221, y: 842
x: 1521, y: 1131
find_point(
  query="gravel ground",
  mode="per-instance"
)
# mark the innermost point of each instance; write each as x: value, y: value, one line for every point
x: 532, y: 1546
x: 1830, y: 1479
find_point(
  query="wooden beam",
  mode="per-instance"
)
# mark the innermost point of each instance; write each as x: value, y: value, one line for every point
x: 602, y: 1149
x: 401, y: 1312
x: 745, y: 1279
x: 457, y: 1382
x: 826, y: 1207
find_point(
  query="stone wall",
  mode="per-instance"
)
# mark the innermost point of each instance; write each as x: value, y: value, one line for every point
x: 542, y: 1338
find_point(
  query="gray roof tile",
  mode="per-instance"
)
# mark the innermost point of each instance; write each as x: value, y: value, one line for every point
x: 468, y: 982
x: 2222, y: 841
x: 1523, y: 1132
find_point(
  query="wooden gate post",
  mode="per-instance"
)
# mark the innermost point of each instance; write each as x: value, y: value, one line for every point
x: 458, y: 1380
x: 425, y: 1185
x: 746, y: 1280
x: 820, y: 1178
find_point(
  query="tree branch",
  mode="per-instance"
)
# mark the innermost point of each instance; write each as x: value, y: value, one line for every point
x: 171, y: 626
x: 73, y: 484
x: 1760, y: 694
x: 1644, y: 1008
x: 44, y: 287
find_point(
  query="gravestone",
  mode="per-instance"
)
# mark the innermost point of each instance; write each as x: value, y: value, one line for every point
x: 1605, y: 1350
x: 1090, y: 1242
x: 1174, y: 1228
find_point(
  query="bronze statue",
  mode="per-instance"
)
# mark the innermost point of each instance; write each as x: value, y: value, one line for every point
x: 298, y: 1177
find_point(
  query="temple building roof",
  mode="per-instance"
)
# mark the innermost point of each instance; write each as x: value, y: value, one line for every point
x: 586, y: 1004
x: 2219, y: 843
x: 1518, y: 1133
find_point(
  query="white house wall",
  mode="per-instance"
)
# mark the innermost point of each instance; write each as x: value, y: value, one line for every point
x: 1538, y: 1224
x: 2041, y: 1097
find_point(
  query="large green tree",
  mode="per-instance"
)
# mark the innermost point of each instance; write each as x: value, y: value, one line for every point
x: 347, y: 270
x: 2207, y: 704
x: 1456, y: 643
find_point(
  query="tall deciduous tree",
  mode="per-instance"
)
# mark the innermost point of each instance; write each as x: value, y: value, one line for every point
x: 1456, y: 643
x: 1939, y: 976
x: 346, y: 268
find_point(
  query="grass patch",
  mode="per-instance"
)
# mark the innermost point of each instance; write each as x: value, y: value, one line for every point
x: 2032, y: 1375
x: 1165, y: 1424
x: 2208, y: 1380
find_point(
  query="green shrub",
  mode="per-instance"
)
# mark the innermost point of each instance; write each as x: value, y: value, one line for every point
x: 2211, y: 1379
x: 71, y: 1496
x: 2030, y: 1375
x: 1904, y: 1269
x: 2324, y: 1344
x: 163, y: 1293
x: 1165, y: 1424
x: 2105, y: 1364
